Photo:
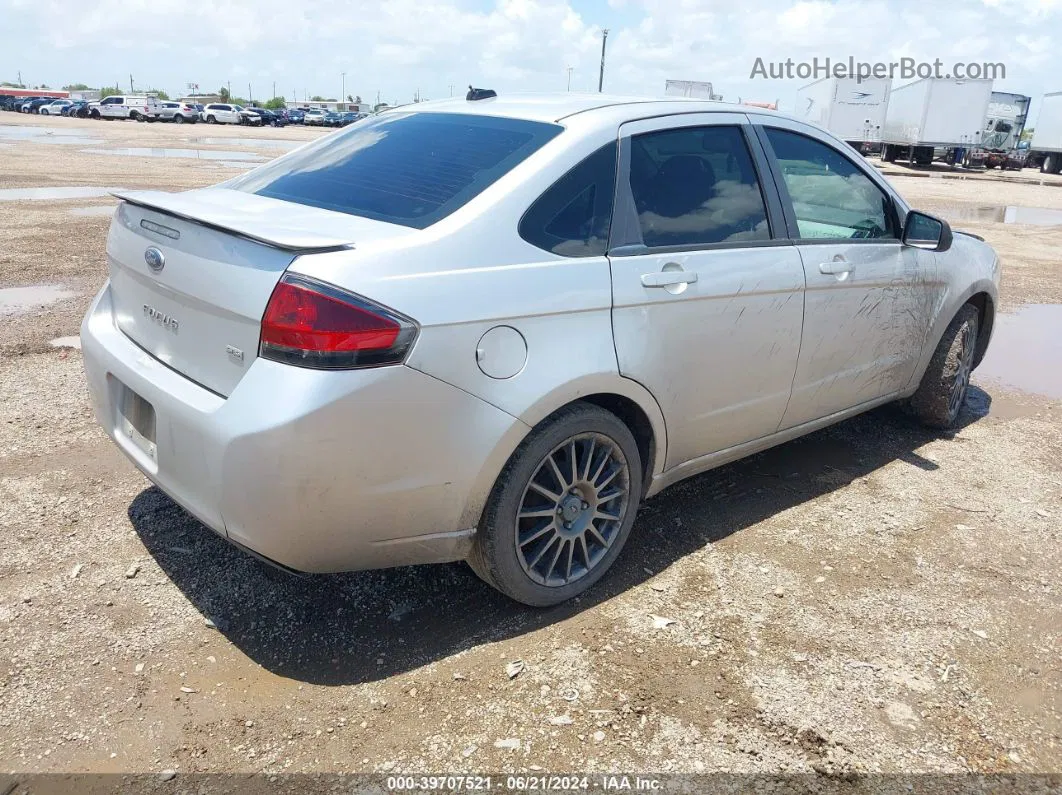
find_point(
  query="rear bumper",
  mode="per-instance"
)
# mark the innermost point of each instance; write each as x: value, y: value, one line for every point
x: 317, y: 471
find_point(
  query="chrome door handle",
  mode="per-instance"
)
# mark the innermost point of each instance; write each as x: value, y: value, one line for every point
x: 838, y: 266
x: 668, y: 278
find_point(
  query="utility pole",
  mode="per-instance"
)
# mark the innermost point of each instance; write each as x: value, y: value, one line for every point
x: 131, y: 91
x: 451, y: 89
x: 570, y: 77
x: 228, y: 87
x: 250, y: 94
x: 20, y: 77
x: 601, y: 74
x: 343, y: 93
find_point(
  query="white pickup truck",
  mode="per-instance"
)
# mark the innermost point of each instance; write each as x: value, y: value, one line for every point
x: 138, y: 108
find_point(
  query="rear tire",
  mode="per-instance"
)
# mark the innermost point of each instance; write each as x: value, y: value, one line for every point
x: 562, y: 509
x: 178, y: 118
x: 942, y: 393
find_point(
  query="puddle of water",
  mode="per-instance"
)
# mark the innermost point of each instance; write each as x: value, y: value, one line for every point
x: 196, y: 154
x: 95, y: 210
x: 66, y: 342
x: 261, y: 143
x: 1026, y: 351
x: 1011, y: 214
x: 46, y: 135
x: 49, y: 194
x: 18, y: 300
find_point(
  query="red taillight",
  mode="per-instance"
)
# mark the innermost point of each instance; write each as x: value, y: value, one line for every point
x: 312, y: 324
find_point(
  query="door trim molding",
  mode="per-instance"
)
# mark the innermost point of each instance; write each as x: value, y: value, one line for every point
x: 696, y: 466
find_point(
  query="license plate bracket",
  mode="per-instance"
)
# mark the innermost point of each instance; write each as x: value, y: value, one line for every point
x: 137, y: 422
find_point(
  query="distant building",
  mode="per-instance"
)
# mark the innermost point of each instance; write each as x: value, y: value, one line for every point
x: 333, y: 105
x: 200, y: 99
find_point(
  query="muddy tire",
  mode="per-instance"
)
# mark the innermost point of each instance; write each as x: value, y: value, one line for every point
x: 942, y: 393
x: 562, y: 509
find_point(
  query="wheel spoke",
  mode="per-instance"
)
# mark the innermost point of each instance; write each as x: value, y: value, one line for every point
x: 537, y: 513
x: 592, y: 529
x: 600, y: 467
x: 571, y: 554
x: 550, y: 527
x: 612, y: 517
x: 557, y: 474
x: 549, y: 495
x: 603, y: 498
x: 556, y: 557
x: 586, y: 552
x: 589, y: 457
x: 572, y: 461
x: 542, y: 553
x: 609, y: 479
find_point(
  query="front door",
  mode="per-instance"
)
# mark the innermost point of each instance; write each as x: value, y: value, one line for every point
x: 707, y: 302
x: 868, y: 306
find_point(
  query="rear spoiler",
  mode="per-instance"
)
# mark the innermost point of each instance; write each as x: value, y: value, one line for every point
x: 278, y: 224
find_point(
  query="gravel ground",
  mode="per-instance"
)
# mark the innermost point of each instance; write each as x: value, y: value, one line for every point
x: 871, y: 598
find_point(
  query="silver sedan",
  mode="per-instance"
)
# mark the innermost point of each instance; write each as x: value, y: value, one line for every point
x: 487, y: 329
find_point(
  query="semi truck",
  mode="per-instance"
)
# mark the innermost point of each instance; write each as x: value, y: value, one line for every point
x: 1007, y: 114
x: 1046, y: 146
x: 853, y: 110
x: 935, y: 113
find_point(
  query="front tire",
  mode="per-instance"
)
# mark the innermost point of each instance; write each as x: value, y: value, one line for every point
x: 562, y: 509
x: 942, y: 393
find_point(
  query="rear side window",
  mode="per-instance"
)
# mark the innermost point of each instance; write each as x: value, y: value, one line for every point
x: 696, y: 186
x: 572, y: 218
x: 411, y: 169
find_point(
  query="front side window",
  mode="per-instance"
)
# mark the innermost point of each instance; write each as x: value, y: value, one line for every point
x: 696, y: 186
x: 832, y: 198
x: 403, y: 168
x: 572, y: 217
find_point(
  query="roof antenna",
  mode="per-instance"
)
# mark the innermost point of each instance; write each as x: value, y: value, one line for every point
x: 475, y: 94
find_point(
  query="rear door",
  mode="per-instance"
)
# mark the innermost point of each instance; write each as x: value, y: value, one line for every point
x: 707, y: 296
x: 869, y: 302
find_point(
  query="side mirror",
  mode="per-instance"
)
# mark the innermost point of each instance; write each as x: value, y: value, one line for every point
x: 926, y: 232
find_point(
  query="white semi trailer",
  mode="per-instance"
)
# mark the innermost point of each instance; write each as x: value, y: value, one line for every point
x: 851, y: 109
x: 945, y: 113
x: 1046, y: 146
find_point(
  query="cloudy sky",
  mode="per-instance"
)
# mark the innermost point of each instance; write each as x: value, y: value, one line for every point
x: 397, y: 47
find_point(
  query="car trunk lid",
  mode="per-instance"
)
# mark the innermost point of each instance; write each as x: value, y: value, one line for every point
x: 191, y: 273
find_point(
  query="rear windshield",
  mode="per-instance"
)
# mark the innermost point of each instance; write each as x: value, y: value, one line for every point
x: 411, y: 169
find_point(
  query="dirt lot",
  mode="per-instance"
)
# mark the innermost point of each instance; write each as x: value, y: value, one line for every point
x: 873, y: 597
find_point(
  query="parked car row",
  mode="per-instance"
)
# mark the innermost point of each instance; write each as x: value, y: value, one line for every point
x: 328, y: 118
x: 149, y: 109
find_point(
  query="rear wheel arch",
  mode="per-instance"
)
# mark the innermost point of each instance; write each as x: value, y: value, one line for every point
x: 628, y: 400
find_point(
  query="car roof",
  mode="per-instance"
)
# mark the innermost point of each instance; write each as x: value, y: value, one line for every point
x: 559, y: 106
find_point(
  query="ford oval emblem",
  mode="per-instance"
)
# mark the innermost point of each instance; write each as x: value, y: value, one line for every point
x: 155, y: 259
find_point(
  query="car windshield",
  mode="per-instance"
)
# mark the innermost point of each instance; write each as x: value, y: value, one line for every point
x: 404, y: 168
